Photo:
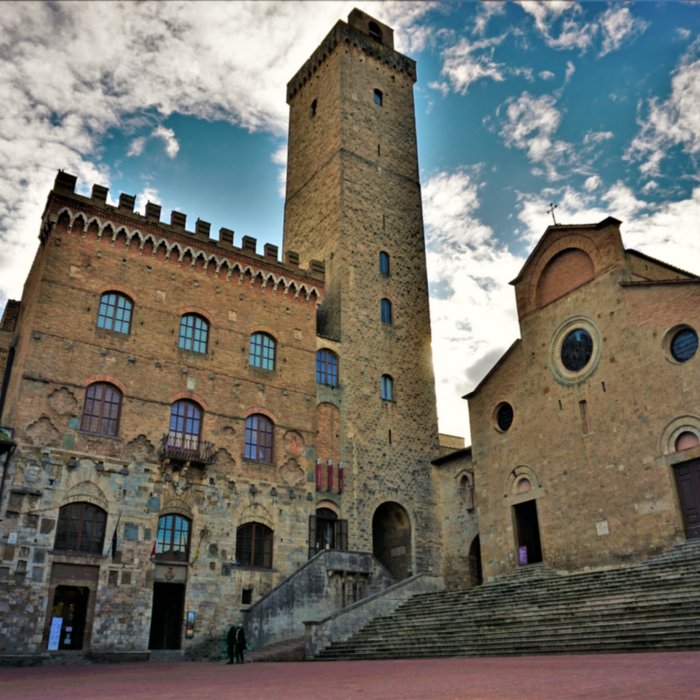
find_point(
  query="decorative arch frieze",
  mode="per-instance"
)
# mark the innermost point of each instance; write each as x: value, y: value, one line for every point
x: 104, y: 228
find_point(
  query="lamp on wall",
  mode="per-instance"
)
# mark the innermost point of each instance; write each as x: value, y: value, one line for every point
x: 72, y: 463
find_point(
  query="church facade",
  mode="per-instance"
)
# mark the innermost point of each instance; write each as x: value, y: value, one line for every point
x: 586, y: 433
x: 189, y: 421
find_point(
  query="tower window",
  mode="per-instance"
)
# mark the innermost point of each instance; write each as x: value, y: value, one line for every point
x: 387, y: 388
x: 375, y: 32
x: 314, y: 108
x: 384, y: 263
x: 327, y: 368
x: 386, y: 311
x: 378, y: 97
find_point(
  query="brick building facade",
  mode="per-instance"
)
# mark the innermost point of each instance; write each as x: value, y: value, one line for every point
x: 586, y: 433
x: 194, y: 420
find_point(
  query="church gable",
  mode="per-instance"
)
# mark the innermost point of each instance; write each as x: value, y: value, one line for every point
x: 567, y: 257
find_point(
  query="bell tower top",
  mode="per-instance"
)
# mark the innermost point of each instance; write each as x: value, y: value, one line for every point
x: 373, y: 28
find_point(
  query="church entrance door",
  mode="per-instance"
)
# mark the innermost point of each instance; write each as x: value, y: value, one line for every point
x: 688, y: 482
x: 528, y: 532
x: 166, y: 617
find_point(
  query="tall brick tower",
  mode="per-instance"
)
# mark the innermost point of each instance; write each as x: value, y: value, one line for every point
x: 354, y: 200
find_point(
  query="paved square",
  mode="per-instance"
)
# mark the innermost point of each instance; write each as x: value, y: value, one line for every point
x: 657, y: 676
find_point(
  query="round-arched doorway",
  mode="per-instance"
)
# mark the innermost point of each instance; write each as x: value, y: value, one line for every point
x: 391, y: 539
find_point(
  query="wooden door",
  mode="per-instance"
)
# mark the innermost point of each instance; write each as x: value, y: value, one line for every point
x: 688, y: 481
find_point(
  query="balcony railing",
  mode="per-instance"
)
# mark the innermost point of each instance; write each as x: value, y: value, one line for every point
x: 180, y: 448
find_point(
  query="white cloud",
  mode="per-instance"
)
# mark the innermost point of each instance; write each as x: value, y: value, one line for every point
x: 484, y: 14
x: 675, y: 121
x: 591, y: 183
x: 168, y: 136
x: 472, y: 305
x: 618, y: 25
x: 279, y: 157
x: 544, y: 13
x: 570, y: 70
x: 593, y: 137
x: 572, y: 35
x: 469, y: 61
x: 529, y: 123
x: 136, y: 147
x: 558, y: 23
x: 546, y: 75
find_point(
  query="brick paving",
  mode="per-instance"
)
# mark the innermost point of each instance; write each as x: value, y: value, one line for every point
x: 655, y: 676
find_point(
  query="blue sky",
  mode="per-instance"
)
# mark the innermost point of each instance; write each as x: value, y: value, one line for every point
x: 592, y: 105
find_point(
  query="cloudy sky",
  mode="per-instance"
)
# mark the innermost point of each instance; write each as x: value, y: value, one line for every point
x: 592, y: 105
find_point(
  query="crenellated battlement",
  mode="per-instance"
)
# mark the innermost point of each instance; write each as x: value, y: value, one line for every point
x: 356, y: 32
x: 149, y: 235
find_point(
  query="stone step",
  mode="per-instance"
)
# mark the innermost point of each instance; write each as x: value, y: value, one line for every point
x: 655, y: 605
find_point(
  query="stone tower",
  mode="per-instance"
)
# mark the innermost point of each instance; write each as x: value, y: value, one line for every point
x: 354, y: 201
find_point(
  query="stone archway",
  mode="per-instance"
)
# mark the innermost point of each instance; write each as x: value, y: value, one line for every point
x: 391, y: 539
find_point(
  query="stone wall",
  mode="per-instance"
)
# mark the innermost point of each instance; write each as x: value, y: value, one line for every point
x: 329, y: 581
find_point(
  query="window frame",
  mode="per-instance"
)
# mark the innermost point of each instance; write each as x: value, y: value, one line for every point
x: 386, y: 312
x: 115, y: 312
x: 378, y: 97
x: 262, y: 352
x: 98, y: 416
x: 327, y: 367
x: 192, y: 327
x: 384, y: 263
x: 79, y: 538
x: 387, y: 387
x: 255, y: 449
x: 254, y: 545
x: 190, y: 416
x: 170, y: 534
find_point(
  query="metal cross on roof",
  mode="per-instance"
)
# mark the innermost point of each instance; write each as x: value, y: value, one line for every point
x: 551, y: 209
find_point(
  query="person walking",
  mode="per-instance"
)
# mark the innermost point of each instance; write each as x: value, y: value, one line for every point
x: 239, y: 644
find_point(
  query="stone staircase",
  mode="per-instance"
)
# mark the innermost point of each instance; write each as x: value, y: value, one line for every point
x: 535, y: 610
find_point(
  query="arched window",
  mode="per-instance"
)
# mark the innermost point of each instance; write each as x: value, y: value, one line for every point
x: 81, y: 528
x: 327, y: 368
x: 378, y: 97
x: 194, y: 333
x: 258, y: 438
x: 384, y: 268
x: 374, y: 31
x: 387, y: 387
x: 254, y: 545
x: 173, y: 538
x: 386, y: 311
x: 185, y: 425
x: 101, y: 410
x: 262, y: 351
x: 114, y: 313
